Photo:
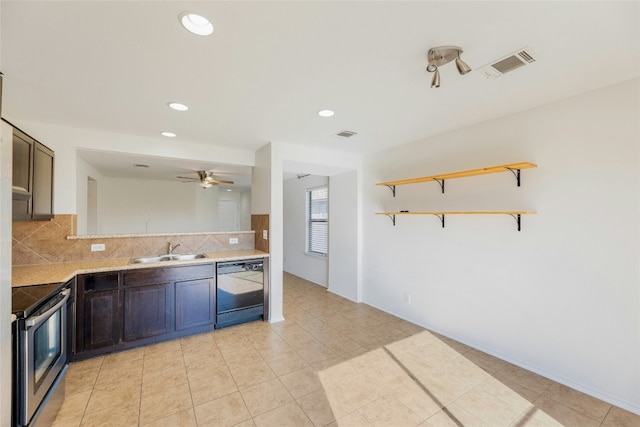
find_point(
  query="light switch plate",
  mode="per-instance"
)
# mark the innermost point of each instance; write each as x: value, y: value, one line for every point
x: 233, y: 240
x: 265, y: 234
x: 97, y: 247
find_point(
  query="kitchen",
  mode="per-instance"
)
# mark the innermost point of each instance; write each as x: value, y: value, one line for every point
x: 368, y: 265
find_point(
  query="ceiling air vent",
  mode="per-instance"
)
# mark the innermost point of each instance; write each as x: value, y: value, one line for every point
x: 346, y: 134
x: 524, y: 56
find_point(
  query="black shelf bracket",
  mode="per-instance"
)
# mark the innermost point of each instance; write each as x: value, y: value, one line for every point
x: 441, y: 182
x: 441, y: 217
x: 517, y: 218
x: 393, y: 218
x: 516, y: 173
x: 393, y: 190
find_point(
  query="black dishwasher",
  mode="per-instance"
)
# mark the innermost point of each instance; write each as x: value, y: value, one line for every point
x: 240, y: 292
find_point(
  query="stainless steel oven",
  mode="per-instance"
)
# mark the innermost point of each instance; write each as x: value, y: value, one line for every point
x: 42, y: 357
x: 241, y: 292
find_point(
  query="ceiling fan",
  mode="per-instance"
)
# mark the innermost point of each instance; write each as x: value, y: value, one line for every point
x: 206, y: 179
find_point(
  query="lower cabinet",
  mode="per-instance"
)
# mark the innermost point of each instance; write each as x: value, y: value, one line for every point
x: 148, y: 311
x: 102, y: 319
x: 195, y: 303
x: 98, y: 312
x: 125, y: 309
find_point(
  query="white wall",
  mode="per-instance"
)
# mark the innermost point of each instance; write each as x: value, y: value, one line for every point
x: 344, y: 236
x: 85, y: 171
x: 296, y: 261
x: 245, y: 209
x: 156, y: 206
x: 266, y: 199
x: 561, y: 297
x: 148, y: 206
x: 6, y: 176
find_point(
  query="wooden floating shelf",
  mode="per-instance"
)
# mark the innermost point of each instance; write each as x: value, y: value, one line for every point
x: 441, y: 214
x: 512, y: 167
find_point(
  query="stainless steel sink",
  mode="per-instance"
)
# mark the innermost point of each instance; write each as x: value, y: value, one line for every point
x: 163, y: 258
x: 186, y: 257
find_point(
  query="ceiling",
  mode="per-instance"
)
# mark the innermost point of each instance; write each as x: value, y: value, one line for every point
x: 269, y: 67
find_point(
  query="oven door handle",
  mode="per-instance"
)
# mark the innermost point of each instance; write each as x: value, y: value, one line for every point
x: 35, y: 321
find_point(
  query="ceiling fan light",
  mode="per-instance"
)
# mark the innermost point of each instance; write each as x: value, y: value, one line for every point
x: 205, y: 184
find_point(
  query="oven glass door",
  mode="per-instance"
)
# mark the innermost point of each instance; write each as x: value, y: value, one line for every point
x: 47, y: 347
x: 44, y: 353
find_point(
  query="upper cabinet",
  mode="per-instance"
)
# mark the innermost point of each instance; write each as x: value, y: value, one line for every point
x: 43, y: 159
x: 23, y: 147
x: 32, y: 179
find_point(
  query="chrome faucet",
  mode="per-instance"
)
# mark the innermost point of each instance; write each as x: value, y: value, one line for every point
x: 171, y: 248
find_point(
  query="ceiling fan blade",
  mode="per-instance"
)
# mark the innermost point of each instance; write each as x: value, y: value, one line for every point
x: 220, y: 181
x: 205, y: 177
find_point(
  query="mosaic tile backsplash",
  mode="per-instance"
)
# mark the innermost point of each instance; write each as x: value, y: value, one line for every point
x: 46, y: 242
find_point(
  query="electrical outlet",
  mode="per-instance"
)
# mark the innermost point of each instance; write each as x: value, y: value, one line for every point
x: 265, y: 234
x: 97, y: 247
x: 233, y: 240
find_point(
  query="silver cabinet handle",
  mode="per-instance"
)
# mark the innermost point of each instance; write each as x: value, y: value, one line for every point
x: 35, y: 321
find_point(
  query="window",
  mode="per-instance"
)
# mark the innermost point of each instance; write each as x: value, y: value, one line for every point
x: 317, y: 220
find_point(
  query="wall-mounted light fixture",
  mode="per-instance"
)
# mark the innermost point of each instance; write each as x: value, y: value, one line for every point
x: 438, y: 56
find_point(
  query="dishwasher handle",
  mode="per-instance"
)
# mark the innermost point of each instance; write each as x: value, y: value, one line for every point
x: 37, y: 320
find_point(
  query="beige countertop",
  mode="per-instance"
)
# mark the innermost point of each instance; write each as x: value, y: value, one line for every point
x: 28, y: 275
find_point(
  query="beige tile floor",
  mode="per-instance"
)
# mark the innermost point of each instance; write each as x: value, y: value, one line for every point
x: 331, y: 363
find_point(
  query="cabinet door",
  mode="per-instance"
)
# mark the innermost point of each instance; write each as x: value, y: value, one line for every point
x: 195, y: 303
x: 148, y: 311
x: 42, y: 204
x: 23, y: 148
x: 101, y: 319
x: 98, y: 311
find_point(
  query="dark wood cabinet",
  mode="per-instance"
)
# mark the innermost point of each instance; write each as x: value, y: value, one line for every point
x: 101, y: 320
x: 148, y: 311
x: 129, y: 308
x: 195, y: 303
x: 33, y: 165
x: 22, y: 189
x: 98, y: 312
x: 43, y: 162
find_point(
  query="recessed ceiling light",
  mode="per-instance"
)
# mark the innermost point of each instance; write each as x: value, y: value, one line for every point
x: 196, y: 24
x: 228, y: 189
x: 326, y: 113
x: 168, y: 134
x: 177, y: 106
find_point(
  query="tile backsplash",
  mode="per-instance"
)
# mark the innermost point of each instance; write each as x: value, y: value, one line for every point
x: 260, y: 224
x: 48, y: 242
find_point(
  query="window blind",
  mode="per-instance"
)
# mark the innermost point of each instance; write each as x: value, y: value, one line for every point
x: 318, y: 220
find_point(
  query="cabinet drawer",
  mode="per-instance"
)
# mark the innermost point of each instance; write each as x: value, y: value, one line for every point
x: 99, y: 282
x: 167, y: 274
